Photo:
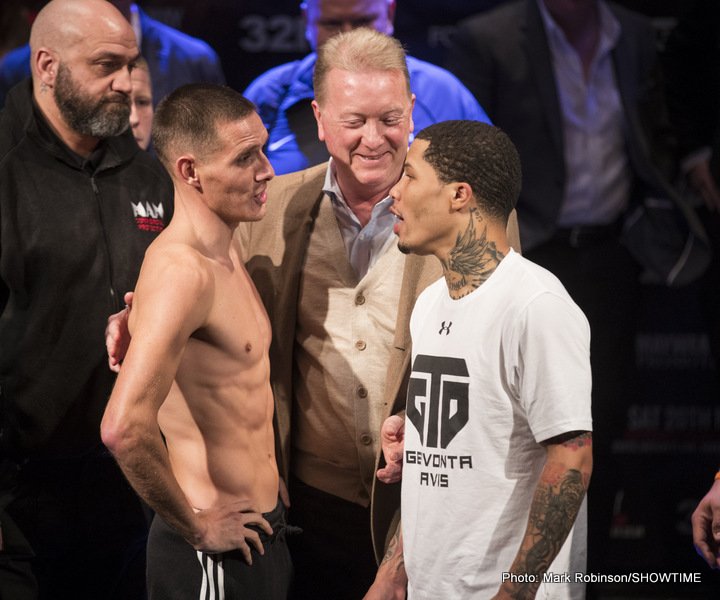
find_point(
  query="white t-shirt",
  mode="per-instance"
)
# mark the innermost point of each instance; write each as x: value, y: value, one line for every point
x: 494, y: 373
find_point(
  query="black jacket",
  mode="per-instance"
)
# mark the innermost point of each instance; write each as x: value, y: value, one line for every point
x: 72, y: 237
x: 503, y: 57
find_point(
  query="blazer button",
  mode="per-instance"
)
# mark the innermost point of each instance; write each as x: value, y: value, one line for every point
x: 362, y: 392
x: 366, y: 439
x: 359, y: 300
x: 360, y: 345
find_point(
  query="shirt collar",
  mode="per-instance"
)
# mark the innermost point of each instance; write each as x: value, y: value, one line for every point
x: 330, y: 186
x: 609, y: 27
x: 332, y: 189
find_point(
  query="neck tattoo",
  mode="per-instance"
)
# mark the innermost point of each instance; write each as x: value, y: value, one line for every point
x: 472, y: 260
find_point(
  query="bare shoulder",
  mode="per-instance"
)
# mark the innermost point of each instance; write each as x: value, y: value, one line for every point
x: 177, y: 263
x: 176, y: 284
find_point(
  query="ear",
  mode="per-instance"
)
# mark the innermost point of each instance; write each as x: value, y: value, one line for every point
x: 412, y: 107
x: 45, y: 63
x: 462, y: 196
x: 318, y: 115
x: 186, y: 171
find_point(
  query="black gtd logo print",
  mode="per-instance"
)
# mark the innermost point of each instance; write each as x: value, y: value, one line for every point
x: 430, y: 410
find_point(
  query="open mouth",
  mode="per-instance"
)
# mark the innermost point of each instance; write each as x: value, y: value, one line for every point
x: 396, y: 224
x: 261, y: 196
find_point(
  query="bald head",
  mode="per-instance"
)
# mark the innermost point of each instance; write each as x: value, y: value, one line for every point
x: 82, y: 54
x: 63, y: 24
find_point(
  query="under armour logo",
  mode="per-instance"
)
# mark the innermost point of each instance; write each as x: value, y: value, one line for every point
x: 445, y: 328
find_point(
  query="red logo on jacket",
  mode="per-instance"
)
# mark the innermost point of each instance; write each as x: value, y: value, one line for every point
x: 148, y: 216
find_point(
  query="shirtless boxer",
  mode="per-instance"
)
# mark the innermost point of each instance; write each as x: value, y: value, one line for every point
x: 190, y: 418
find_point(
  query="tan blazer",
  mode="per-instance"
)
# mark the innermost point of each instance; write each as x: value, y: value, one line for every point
x: 274, y: 251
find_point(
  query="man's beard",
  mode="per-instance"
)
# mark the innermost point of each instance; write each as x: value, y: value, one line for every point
x: 100, y: 119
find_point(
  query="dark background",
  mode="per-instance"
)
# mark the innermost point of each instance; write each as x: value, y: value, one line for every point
x: 669, y: 448
x: 253, y: 35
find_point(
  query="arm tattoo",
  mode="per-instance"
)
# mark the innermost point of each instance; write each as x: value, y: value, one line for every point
x: 574, y: 440
x: 392, y: 553
x: 473, y: 258
x: 579, y: 441
x: 552, y: 514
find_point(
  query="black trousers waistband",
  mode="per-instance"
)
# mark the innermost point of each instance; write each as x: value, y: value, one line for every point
x: 277, y: 518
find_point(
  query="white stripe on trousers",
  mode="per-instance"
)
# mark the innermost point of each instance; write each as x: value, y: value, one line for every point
x: 212, y: 569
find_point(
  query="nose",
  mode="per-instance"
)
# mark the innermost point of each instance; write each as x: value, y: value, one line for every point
x: 121, y: 81
x: 134, y: 119
x: 395, y: 192
x: 266, y: 171
x: 371, y: 134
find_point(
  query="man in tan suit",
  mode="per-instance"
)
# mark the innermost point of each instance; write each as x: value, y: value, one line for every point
x: 339, y: 295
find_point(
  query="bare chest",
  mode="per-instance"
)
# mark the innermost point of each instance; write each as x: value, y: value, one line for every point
x: 236, y: 337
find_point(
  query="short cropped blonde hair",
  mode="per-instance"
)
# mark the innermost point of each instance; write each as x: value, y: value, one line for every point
x: 358, y: 51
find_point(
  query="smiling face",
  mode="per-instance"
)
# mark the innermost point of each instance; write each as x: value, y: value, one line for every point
x: 234, y: 175
x: 141, y: 111
x: 365, y: 120
x: 422, y: 203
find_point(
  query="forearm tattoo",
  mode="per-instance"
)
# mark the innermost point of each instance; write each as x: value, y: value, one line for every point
x: 394, y: 553
x: 472, y: 258
x: 552, y: 514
